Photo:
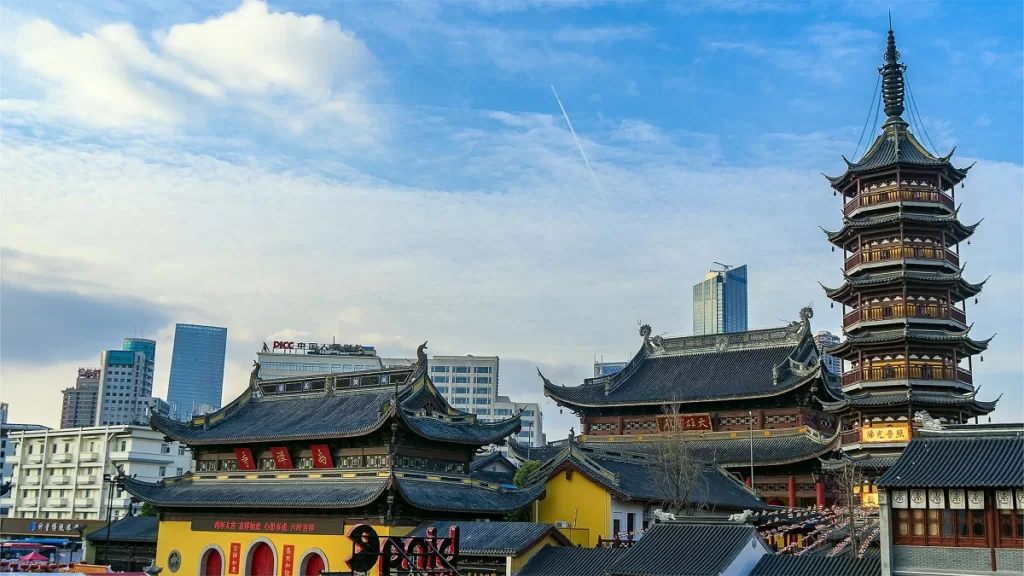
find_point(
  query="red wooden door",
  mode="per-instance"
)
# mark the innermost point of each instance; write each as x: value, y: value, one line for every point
x: 213, y: 563
x: 262, y: 561
x: 314, y: 565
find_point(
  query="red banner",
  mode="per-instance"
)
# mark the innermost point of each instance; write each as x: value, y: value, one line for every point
x: 245, y: 460
x: 236, y: 556
x: 288, y: 560
x: 282, y: 461
x: 321, y: 456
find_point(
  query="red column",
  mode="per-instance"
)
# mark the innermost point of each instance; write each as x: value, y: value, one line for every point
x: 792, y: 492
x: 819, y: 492
x: 748, y: 482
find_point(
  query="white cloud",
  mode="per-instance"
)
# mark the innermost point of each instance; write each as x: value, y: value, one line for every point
x: 603, y: 34
x: 251, y: 59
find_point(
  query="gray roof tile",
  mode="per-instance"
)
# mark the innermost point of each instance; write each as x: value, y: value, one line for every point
x: 819, y: 565
x: 463, y: 497
x: 570, y: 561
x: 959, y: 462
x: 298, y: 493
x: 129, y: 529
x: 495, y: 538
x: 686, y: 550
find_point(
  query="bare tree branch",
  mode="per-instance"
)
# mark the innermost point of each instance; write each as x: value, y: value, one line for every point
x: 678, y: 475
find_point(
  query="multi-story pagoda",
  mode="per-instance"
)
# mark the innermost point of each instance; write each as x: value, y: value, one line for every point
x: 748, y: 401
x: 907, y: 339
x: 289, y: 467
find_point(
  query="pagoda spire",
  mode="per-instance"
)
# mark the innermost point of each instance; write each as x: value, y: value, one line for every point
x: 892, y: 82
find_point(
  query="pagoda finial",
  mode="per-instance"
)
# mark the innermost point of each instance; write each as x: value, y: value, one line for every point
x: 892, y: 80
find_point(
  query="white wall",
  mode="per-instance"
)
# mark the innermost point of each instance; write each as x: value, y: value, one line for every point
x: 621, y: 510
x: 747, y: 557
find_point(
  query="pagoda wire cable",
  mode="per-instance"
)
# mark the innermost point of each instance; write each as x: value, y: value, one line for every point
x: 920, y: 121
x: 864, y: 130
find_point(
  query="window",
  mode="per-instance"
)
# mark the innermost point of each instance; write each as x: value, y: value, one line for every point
x: 502, y: 412
x: 482, y: 390
x: 483, y: 411
x: 67, y: 447
x: 461, y: 379
x: 616, y: 527
x: 461, y: 369
x: 481, y: 379
x: 482, y: 370
x: 181, y: 450
x: 460, y: 401
x: 461, y: 390
x: 30, y: 448
x: 1011, y: 528
x: 442, y: 389
x: 942, y: 527
x: 124, y: 445
x: 163, y: 471
x: 440, y: 379
x: 436, y: 369
x: 178, y: 471
x: 165, y: 449
x: 484, y: 401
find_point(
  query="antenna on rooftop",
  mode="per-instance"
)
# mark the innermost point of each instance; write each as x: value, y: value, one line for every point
x: 725, y: 267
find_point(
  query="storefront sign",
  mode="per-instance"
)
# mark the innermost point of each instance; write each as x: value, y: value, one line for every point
x: 288, y: 560
x: 245, y: 460
x: 321, y: 456
x: 282, y: 460
x: 236, y: 558
x: 888, y: 433
x: 268, y: 525
x: 685, y: 422
x: 394, y: 555
x: 315, y: 348
x: 68, y: 528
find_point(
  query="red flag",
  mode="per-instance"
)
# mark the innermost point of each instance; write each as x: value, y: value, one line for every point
x: 321, y: 456
x: 282, y: 461
x: 245, y: 460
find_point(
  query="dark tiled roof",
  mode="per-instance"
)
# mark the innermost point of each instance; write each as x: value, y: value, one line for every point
x: 949, y: 222
x: 754, y: 364
x: 129, y: 529
x: 961, y: 288
x: 465, y: 497
x: 299, y: 493
x: 918, y: 398
x: 632, y: 478
x: 493, y: 476
x: 525, y: 453
x: 571, y: 561
x: 686, y: 550
x: 897, y: 145
x: 965, y: 343
x: 819, y: 565
x: 489, y: 459
x: 959, y: 462
x: 337, y: 413
x: 495, y: 538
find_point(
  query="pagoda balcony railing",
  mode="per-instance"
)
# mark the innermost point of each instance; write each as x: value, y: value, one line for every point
x: 900, y: 251
x: 893, y: 195
x: 895, y: 311
x: 899, y: 372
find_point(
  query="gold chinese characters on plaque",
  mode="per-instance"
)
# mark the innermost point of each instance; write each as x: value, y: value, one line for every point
x: 887, y: 433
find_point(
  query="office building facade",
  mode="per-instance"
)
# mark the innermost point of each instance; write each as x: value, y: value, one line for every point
x: 197, y: 369
x: 126, y: 384
x: 58, y: 474
x: 607, y: 368
x: 824, y: 339
x: 79, y: 406
x: 720, y: 302
x: 291, y: 359
x: 532, y: 432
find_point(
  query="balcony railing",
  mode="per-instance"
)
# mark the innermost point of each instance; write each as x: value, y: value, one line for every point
x: 83, y: 502
x: 900, y: 372
x: 31, y: 480
x: 900, y: 251
x: 88, y: 457
x: 61, y: 458
x: 893, y: 195
x: 56, y: 502
x: 29, y: 502
x: 895, y: 311
x: 35, y: 458
x: 59, y: 480
x: 87, y: 479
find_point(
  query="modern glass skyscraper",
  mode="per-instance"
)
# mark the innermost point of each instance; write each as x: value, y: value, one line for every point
x: 720, y: 302
x: 197, y: 369
x: 147, y: 347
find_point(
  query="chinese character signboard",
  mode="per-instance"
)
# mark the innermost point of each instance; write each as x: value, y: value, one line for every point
x: 244, y: 457
x: 394, y: 555
x: 282, y: 461
x: 288, y: 560
x: 899, y: 432
x: 236, y: 557
x: 321, y: 456
x: 67, y: 528
x: 270, y: 525
x: 685, y: 423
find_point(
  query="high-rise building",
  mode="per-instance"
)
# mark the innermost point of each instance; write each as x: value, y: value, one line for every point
x: 79, y: 407
x: 126, y: 384
x: 720, y: 302
x: 469, y: 383
x: 58, y: 474
x: 291, y: 359
x: 197, y: 369
x: 532, y: 432
x: 607, y: 368
x: 825, y: 339
x: 7, y: 451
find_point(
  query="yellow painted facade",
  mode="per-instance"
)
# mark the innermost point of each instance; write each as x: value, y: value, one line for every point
x: 519, y: 561
x: 574, y: 499
x: 178, y: 535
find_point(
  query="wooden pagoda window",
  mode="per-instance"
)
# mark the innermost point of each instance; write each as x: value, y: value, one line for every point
x: 945, y: 527
x: 1011, y: 528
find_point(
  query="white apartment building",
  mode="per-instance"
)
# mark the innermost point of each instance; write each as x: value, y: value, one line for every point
x: 532, y: 432
x: 59, y: 473
x: 5, y: 430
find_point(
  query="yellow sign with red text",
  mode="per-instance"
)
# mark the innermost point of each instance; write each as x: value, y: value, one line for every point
x: 886, y: 433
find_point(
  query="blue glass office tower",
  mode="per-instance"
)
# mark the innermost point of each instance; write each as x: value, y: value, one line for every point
x: 720, y: 302
x: 147, y: 347
x: 197, y: 369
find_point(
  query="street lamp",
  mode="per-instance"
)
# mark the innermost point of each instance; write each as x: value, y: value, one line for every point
x: 113, y: 481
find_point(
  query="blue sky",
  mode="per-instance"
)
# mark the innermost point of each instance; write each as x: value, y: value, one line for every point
x: 393, y: 173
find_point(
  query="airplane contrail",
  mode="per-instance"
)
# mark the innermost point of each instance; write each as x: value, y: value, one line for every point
x: 578, y: 144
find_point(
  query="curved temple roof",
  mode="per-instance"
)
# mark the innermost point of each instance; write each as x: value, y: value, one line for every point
x: 753, y: 364
x: 320, y: 407
x: 955, y: 229
x: 963, y: 343
x: 961, y: 289
x: 967, y: 401
x: 302, y: 493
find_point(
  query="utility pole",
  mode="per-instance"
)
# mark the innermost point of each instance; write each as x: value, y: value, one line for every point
x: 751, y: 413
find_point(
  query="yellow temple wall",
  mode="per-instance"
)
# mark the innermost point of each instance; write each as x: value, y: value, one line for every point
x: 178, y: 535
x: 574, y: 499
x: 519, y: 561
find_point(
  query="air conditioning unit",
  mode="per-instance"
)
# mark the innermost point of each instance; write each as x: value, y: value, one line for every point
x: 561, y: 524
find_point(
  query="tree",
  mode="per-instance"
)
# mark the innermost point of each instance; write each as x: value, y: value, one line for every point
x: 147, y: 510
x: 677, y: 474
x: 528, y: 467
